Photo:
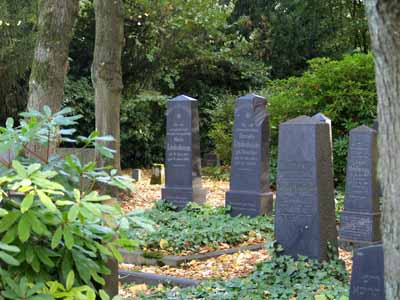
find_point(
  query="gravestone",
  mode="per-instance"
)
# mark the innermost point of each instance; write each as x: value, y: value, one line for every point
x: 210, y: 160
x: 367, y: 280
x: 360, y: 220
x: 324, y: 119
x: 305, y: 222
x: 137, y: 174
x: 157, y: 174
x: 183, y: 163
x: 249, y: 192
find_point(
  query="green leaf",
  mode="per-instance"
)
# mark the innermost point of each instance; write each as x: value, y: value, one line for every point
x: 9, y: 248
x: 37, y: 226
x: 19, y: 168
x: 8, y: 259
x: 104, y: 295
x: 320, y: 297
x: 33, y: 168
x: 24, y: 228
x: 77, y: 195
x: 44, y: 257
x: 70, y: 280
x: 3, y: 212
x: 27, y: 202
x: 55, y: 241
x: 10, y: 235
x: 68, y: 238
x: 10, y: 123
x: 73, y: 213
x: 46, y: 201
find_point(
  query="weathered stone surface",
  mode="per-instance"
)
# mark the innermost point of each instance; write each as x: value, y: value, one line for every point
x: 360, y: 220
x: 210, y: 160
x: 157, y: 174
x: 183, y: 163
x: 249, y: 192
x: 137, y: 174
x: 305, y: 222
x: 367, y: 280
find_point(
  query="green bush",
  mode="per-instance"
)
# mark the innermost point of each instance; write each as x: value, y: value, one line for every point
x: 143, y: 122
x: 57, y: 233
x: 344, y: 90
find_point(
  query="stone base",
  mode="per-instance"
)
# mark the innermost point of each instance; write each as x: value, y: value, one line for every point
x: 182, y: 196
x: 249, y: 204
x: 359, y: 227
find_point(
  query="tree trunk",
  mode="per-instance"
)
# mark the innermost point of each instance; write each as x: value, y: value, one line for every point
x: 384, y: 23
x: 107, y: 81
x: 107, y: 72
x: 55, y: 30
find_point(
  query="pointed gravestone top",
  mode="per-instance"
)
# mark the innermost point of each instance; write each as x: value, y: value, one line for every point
x: 249, y: 187
x: 183, y: 164
x: 363, y: 128
x: 183, y: 98
x: 305, y: 222
x: 302, y: 120
x: 322, y: 118
x: 360, y: 220
x: 251, y: 96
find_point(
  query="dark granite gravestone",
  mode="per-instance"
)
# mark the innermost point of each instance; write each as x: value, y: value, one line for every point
x: 305, y: 221
x: 210, y: 160
x: 324, y: 119
x: 367, y: 280
x: 249, y: 192
x: 183, y: 163
x: 360, y: 220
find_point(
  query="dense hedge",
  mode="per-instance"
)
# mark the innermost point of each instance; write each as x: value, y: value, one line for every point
x: 343, y: 90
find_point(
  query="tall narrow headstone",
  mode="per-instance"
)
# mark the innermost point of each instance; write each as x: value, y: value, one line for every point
x: 182, y: 162
x: 305, y: 222
x: 249, y: 192
x: 367, y: 280
x: 360, y: 220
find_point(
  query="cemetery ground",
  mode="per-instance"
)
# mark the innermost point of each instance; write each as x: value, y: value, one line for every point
x: 259, y: 274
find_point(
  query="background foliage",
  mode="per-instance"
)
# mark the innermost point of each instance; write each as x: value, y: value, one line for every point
x: 213, y: 51
x: 344, y: 90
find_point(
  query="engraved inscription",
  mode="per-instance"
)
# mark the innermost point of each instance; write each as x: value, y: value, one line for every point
x: 369, y: 286
x: 179, y: 139
x: 359, y: 170
x: 356, y: 227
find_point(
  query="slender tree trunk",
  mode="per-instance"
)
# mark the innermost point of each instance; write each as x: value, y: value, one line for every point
x: 107, y: 71
x: 384, y: 23
x: 55, y: 30
x: 107, y: 81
